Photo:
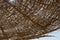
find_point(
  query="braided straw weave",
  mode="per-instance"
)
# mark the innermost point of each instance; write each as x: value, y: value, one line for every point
x: 26, y: 19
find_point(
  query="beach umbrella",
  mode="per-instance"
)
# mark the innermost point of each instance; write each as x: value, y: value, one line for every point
x: 28, y: 19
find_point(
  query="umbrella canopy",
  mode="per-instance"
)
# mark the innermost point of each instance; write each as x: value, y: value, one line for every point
x: 26, y: 19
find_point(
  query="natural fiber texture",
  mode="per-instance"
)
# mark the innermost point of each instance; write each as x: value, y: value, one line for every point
x: 26, y: 19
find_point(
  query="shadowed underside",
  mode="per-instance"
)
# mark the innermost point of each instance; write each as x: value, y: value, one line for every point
x: 26, y: 19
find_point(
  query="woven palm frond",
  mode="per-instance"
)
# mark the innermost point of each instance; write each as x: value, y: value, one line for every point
x: 26, y: 19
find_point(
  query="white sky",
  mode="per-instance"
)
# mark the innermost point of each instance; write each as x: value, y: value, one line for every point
x: 56, y: 35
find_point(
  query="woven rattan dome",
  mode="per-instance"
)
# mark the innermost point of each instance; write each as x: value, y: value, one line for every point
x: 26, y: 19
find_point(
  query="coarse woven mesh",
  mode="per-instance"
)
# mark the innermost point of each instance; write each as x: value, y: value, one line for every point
x: 26, y: 19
